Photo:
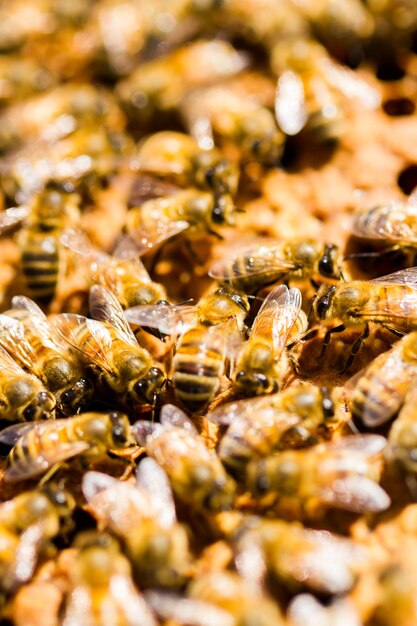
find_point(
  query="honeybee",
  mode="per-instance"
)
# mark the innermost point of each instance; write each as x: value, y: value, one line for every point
x: 102, y: 587
x: 22, y: 396
x: 27, y: 335
x: 260, y: 365
x: 312, y: 90
x: 402, y: 437
x: 39, y: 446
x: 389, y: 300
x: 143, y: 516
x: 177, y: 156
x: 122, y: 273
x: 380, y: 391
x: 161, y: 218
x: 340, y: 474
x: 210, y: 333
x: 44, y: 219
x: 121, y: 367
x: 219, y: 111
x: 267, y: 261
x: 27, y: 524
x: 161, y: 84
x: 297, y: 557
x: 223, y: 598
x: 197, y: 476
x: 293, y: 418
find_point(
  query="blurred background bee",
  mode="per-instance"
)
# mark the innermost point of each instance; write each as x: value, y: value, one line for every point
x: 380, y: 391
x: 389, y: 300
x: 402, y: 439
x: 306, y: 610
x: 40, y: 446
x: 340, y: 474
x: 122, y: 369
x: 261, y: 364
x: 143, y: 516
x: 197, y: 476
x: 22, y: 396
x: 101, y: 585
x: 209, y: 334
x: 252, y: 266
x: 293, y: 418
x: 28, y: 337
x: 28, y: 523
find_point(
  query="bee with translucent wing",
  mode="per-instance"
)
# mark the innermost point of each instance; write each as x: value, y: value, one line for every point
x: 143, y: 515
x: 389, y: 300
x: 102, y: 587
x: 293, y: 418
x: 196, y: 474
x: 109, y: 348
x: 261, y: 364
x: 40, y: 446
x: 28, y: 337
x: 252, y: 266
x: 23, y: 397
x: 340, y: 474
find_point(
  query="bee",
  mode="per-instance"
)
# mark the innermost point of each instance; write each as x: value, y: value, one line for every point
x: 28, y: 523
x: 260, y: 364
x: 158, y: 219
x: 297, y: 557
x: 293, y: 418
x: 263, y: 262
x: 39, y: 446
x: 312, y: 90
x: 28, y: 337
x: 22, y: 396
x: 402, y: 437
x: 143, y: 516
x: 102, y: 586
x: 120, y: 366
x: 380, y: 391
x: 389, y: 300
x: 219, y: 111
x: 340, y: 474
x: 176, y: 156
x: 160, y: 85
x: 224, y: 598
x: 197, y: 476
x: 122, y: 273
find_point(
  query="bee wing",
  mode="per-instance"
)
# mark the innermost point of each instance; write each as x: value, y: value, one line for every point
x: 131, y: 603
x: 389, y: 223
x: 26, y: 556
x: 78, y: 609
x: 407, y: 277
x: 38, y: 322
x: 143, y: 431
x: 12, y: 434
x: 197, y: 119
x: 358, y: 494
x: 227, y: 413
x: 13, y: 216
x: 77, y: 241
x: 169, y: 606
x: 367, y: 444
x: 105, y: 307
x: 351, y: 85
x: 172, y: 416
x: 12, y: 339
x: 127, y: 249
x: 89, y: 337
x: 8, y: 365
x: 167, y: 318
x: 151, y: 477
x: 305, y: 610
x: 253, y: 260
x: 398, y: 304
x: 152, y: 235
x: 290, y: 103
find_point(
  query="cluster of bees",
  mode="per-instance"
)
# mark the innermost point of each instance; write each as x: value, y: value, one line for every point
x: 177, y: 446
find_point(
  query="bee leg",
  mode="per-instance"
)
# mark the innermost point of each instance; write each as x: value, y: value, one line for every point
x: 394, y: 331
x: 52, y: 470
x: 328, y: 336
x: 355, y: 348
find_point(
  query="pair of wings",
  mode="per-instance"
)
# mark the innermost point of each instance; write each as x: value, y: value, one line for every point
x: 123, y: 506
x: 395, y: 223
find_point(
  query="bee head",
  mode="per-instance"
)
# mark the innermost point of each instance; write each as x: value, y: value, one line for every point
x: 223, y: 210
x: 77, y: 398
x: 323, y: 301
x: 328, y: 262
x: 148, y: 388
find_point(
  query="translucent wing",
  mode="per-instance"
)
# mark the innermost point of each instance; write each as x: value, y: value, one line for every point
x: 9, y: 367
x: 126, y: 248
x: 255, y: 260
x: 227, y: 413
x: 37, y: 322
x: 394, y: 223
x: 25, y: 558
x: 358, y: 494
x: 173, y: 416
x: 151, y: 477
x: 131, y: 604
x: 369, y: 445
x: 290, y: 104
x: 169, y: 319
x: 105, y: 307
x: 13, y: 339
x: 143, y: 431
x: 394, y: 303
x: 169, y: 606
x: 154, y: 234
x: 12, y: 434
x: 89, y: 337
x: 351, y: 85
x: 406, y: 277
x: 305, y: 610
x: 13, y: 216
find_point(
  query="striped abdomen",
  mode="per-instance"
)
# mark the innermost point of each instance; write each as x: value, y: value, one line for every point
x: 37, y: 444
x: 198, y: 365
x: 40, y: 263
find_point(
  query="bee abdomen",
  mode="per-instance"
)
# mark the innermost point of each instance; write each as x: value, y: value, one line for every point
x: 375, y: 408
x: 195, y: 379
x: 40, y: 265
